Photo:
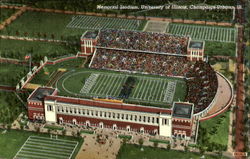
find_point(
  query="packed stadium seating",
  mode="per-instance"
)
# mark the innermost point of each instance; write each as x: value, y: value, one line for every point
x: 157, y: 64
x: 143, y: 41
x: 202, y: 85
x: 145, y: 52
x: 200, y: 77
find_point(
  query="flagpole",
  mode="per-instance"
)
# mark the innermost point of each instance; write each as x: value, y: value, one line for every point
x: 30, y: 62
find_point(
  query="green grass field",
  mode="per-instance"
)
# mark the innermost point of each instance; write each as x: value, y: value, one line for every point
x: 215, y: 131
x: 220, y: 49
x: 10, y: 74
x: 12, y: 140
x: 10, y: 107
x: 5, y: 13
x: 149, y: 90
x: 42, y: 22
x: 128, y: 151
x: 18, y: 49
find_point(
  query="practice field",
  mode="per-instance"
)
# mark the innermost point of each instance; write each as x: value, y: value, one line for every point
x: 153, y: 90
x: 92, y: 22
x: 44, y: 148
x: 12, y: 142
x: 200, y: 32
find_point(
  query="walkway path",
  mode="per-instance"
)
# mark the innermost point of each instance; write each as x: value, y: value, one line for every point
x: 31, y: 39
x: 91, y: 149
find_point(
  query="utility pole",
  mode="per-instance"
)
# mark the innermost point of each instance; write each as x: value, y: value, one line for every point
x: 30, y: 63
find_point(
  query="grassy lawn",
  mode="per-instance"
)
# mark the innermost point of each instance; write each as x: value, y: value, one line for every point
x: 5, y: 13
x: 10, y: 107
x: 214, y: 131
x: 12, y: 140
x: 219, y: 49
x: 18, y: 49
x: 43, y: 23
x: 87, y: 132
x: 10, y: 74
x: 53, y: 127
x: 160, y: 141
x: 128, y: 151
x: 127, y: 137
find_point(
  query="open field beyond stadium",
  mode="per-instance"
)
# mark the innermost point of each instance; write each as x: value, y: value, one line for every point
x: 17, y: 49
x: 201, y: 32
x: 107, y: 84
x: 43, y: 23
x: 6, y: 13
x: 10, y: 74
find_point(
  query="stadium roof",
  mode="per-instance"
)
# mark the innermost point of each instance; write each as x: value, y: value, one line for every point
x: 90, y: 34
x: 40, y: 93
x: 183, y: 110
x: 196, y: 44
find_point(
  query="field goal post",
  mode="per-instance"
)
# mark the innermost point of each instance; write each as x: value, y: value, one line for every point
x: 53, y: 136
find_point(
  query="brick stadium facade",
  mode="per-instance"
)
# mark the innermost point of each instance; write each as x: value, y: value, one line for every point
x: 44, y: 104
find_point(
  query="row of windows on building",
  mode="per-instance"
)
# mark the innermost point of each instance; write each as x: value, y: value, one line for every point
x: 110, y: 115
x: 102, y: 125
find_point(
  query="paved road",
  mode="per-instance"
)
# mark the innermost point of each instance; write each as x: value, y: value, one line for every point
x: 239, y: 138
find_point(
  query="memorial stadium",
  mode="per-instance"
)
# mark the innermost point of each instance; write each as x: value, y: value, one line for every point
x: 153, y: 83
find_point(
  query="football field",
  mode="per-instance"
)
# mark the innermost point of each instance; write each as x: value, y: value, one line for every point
x: 94, y: 22
x: 151, y: 89
x: 46, y: 148
x: 200, y: 32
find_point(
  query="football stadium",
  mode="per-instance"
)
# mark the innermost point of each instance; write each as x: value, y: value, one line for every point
x: 155, y: 83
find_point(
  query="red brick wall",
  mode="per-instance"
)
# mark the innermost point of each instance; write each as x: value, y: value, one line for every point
x: 109, y: 105
x: 106, y: 123
x: 181, y: 123
x: 31, y: 113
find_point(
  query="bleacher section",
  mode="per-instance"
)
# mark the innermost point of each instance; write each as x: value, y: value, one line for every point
x: 169, y: 94
x: 143, y: 41
x: 157, y: 64
x: 89, y: 83
x: 202, y: 85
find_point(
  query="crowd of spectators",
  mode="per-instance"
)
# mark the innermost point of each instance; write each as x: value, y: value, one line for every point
x: 143, y: 41
x: 132, y: 51
x: 150, y: 63
x: 200, y: 77
x: 202, y: 85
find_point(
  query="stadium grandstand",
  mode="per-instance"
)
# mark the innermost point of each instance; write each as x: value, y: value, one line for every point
x: 137, y: 65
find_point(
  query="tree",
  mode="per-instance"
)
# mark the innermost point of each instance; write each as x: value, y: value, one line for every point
x: 64, y: 132
x: 202, y: 149
x: 141, y: 141
x: 168, y: 147
x: 124, y: 141
x: 186, y: 148
x: 156, y: 144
